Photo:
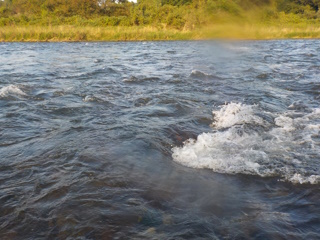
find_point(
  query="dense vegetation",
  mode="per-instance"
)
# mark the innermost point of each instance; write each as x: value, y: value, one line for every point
x: 181, y: 15
x: 165, y: 13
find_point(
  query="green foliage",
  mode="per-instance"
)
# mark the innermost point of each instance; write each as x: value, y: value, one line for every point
x: 307, y: 8
x: 174, y: 14
x: 176, y: 2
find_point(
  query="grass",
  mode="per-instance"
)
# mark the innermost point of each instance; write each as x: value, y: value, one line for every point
x: 262, y: 32
x: 72, y: 33
x: 218, y: 31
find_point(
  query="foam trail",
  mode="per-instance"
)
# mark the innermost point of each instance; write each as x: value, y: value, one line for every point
x: 240, y: 145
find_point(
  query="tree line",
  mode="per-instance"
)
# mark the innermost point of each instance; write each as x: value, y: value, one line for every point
x: 163, y: 13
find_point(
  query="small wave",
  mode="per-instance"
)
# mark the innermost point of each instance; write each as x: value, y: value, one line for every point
x: 98, y: 61
x: 196, y: 73
x: 201, y: 75
x: 314, y: 67
x: 142, y: 101
x: 104, y: 70
x: 59, y: 93
x: 134, y: 79
x: 97, y: 72
x: 287, y: 150
x: 11, y: 90
x: 90, y: 99
x: 266, y: 57
x: 309, y: 55
x: 263, y: 76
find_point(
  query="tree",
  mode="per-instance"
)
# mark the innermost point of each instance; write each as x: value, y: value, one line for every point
x: 176, y: 2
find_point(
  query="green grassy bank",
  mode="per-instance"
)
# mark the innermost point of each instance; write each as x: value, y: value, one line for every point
x: 148, y: 33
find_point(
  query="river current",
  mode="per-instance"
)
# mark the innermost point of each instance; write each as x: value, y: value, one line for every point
x: 160, y: 140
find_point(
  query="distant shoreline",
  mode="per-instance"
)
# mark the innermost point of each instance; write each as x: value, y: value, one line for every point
x: 149, y: 33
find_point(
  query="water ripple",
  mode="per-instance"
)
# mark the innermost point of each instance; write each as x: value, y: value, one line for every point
x: 166, y: 140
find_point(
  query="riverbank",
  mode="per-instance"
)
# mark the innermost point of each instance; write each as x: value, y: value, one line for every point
x: 148, y: 33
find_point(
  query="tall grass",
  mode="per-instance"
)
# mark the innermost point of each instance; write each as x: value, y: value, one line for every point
x: 260, y: 32
x: 72, y: 33
x: 135, y: 33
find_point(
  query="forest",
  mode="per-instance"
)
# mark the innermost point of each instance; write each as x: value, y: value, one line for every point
x: 165, y: 15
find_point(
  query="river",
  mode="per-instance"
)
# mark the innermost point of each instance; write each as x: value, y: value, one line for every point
x: 160, y: 140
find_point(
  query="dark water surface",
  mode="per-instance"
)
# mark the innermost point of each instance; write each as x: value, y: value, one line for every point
x: 92, y: 140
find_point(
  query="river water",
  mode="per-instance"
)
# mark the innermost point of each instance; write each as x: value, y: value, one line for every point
x: 160, y: 140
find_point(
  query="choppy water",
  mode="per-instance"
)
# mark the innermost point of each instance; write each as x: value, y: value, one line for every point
x: 160, y: 140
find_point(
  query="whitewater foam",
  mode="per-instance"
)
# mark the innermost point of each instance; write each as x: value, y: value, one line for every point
x: 11, y: 90
x: 298, y: 178
x: 235, y: 114
x: 287, y: 150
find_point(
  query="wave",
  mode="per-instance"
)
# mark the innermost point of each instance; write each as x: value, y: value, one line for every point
x: 245, y: 141
x: 11, y: 90
x: 235, y: 114
x: 137, y: 80
x: 90, y: 98
x: 97, y: 72
x: 201, y: 75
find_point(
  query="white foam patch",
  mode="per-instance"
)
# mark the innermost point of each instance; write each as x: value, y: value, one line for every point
x: 224, y: 152
x: 233, y: 114
x: 287, y: 150
x: 285, y: 122
x: 199, y: 73
x: 11, y: 90
x: 298, y: 178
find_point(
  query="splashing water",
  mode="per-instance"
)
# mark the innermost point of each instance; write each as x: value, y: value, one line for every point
x: 242, y: 142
